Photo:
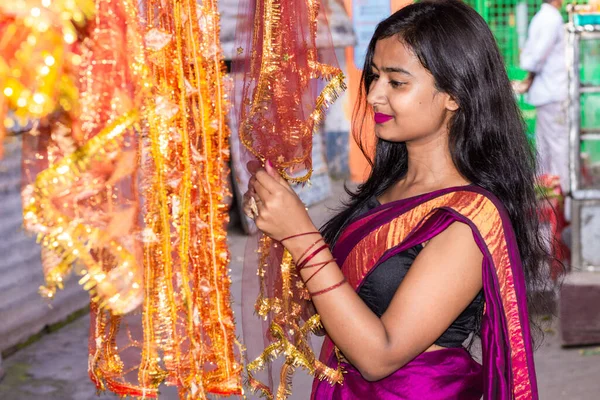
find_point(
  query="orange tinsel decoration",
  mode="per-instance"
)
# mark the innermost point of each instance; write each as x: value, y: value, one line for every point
x: 125, y: 180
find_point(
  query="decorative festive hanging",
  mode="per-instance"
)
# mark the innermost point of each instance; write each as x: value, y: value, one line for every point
x: 125, y: 176
x: 187, y: 303
x: 280, y: 71
x: 187, y: 328
x: 284, y: 85
x: 80, y: 193
x: 37, y: 51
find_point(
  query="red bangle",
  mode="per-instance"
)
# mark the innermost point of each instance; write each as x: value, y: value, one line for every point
x: 316, y: 272
x: 298, y: 235
x: 330, y: 288
x: 316, y: 265
x: 309, y: 247
x: 310, y: 256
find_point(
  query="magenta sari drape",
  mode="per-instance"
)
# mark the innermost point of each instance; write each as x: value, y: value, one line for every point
x: 507, y: 371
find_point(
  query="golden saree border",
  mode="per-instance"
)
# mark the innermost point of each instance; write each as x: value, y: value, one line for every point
x: 485, y: 217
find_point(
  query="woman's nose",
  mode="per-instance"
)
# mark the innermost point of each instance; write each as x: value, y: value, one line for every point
x: 376, y: 95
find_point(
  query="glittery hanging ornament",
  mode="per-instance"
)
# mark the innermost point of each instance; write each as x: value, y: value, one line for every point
x: 125, y: 179
x: 185, y: 336
x: 187, y: 307
x: 284, y: 85
x: 37, y: 51
x: 78, y: 195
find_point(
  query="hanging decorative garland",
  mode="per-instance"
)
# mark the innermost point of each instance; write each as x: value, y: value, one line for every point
x: 280, y: 105
x: 125, y: 180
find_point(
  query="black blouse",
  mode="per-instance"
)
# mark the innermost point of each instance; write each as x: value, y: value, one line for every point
x: 381, y: 284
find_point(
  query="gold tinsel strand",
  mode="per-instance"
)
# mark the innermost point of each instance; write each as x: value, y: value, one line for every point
x: 189, y: 148
x: 285, y: 312
x: 167, y: 103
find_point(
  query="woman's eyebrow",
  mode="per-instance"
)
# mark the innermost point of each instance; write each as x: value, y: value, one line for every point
x: 391, y: 69
x: 396, y: 69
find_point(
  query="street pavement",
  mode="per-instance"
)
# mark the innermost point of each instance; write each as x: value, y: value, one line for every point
x: 55, y: 367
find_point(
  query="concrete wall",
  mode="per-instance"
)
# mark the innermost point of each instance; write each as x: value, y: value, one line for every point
x: 590, y: 236
x: 23, y: 312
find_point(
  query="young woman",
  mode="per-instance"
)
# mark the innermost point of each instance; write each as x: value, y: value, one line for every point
x: 441, y: 240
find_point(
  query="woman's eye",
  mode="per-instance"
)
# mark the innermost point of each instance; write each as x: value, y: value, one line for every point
x: 396, y: 84
x: 374, y: 77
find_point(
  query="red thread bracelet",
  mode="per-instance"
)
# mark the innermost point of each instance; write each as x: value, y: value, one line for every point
x: 330, y: 288
x: 309, y: 248
x: 316, y: 265
x: 298, y: 235
x: 316, y: 272
x: 310, y: 256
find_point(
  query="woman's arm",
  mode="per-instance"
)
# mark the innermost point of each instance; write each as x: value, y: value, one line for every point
x: 443, y: 280
x: 441, y: 283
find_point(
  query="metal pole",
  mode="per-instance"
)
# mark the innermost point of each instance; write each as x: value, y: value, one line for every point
x: 574, y: 110
x: 576, y: 255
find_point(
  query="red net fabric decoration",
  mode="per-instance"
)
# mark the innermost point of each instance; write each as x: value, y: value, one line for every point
x: 284, y: 84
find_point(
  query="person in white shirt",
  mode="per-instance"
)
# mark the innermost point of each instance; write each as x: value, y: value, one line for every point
x: 543, y: 57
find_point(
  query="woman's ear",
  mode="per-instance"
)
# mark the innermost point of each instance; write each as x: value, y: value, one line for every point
x: 451, y: 104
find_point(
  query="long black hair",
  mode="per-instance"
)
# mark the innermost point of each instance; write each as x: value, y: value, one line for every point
x: 487, y: 139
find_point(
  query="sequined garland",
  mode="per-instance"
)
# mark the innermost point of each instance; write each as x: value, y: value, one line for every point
x: 78, y: 175
x: 272, y: 58
x: 73, y: 240
x: 188, y: 326
x: 148, y: 119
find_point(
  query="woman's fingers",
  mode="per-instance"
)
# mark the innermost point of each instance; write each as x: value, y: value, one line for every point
x: 268, y: 182
x: 246, y: 205
x: 250, y: 204
x: 272, y: 203
x: 268, y: 176
x: 273, y: 173
x: 253, y: 166
x: 261, y: 193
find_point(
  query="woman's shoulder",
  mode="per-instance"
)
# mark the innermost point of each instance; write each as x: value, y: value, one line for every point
x: 482, y: 207
x: 486, y: 197
x: 470, y: 193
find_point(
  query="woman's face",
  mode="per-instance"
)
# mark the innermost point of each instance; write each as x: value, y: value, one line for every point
x: 407, y: 106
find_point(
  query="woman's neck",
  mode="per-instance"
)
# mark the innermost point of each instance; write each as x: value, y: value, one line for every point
x: 430, y: 168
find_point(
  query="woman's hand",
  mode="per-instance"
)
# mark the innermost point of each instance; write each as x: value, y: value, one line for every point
x: 281, y: 213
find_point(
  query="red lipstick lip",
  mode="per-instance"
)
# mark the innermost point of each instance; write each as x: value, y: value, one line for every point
x: 381, y: 118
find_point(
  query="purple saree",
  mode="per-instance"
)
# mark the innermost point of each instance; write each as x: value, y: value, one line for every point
x: 508, y: 370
